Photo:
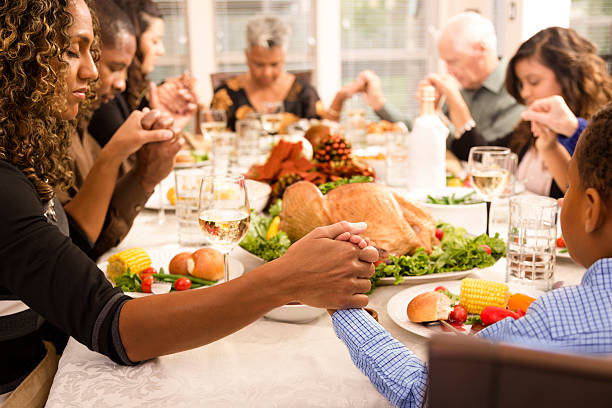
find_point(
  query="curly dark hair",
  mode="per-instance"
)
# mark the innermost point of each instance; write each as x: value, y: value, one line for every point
x: 142, y: 13
x: 581, y: 73
x: 594, y: 152
x: 33, y: 38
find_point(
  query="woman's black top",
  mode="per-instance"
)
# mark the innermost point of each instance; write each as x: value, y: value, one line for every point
x: 41, y: 267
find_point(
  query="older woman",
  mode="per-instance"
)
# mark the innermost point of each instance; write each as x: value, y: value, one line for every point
x: 555, y: 61
x: 266, y: 80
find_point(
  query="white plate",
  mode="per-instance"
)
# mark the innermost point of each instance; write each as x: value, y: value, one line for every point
x: 565, y: 254
x: 396, y: 307
x: 160, y: 258
x: 433, y: 277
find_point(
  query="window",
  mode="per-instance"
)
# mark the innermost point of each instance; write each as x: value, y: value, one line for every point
x: 231, y: 17
x: 176, y: 59
x: 593, y: 19
x: 392, y: 39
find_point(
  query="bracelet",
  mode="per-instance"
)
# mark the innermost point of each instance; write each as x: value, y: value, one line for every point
x: 469, y: 125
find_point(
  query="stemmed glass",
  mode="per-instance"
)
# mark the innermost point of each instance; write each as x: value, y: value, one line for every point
x: 271, y: 117
x: 489, y: 168
x: 224, y: 213
x: 213, y: 121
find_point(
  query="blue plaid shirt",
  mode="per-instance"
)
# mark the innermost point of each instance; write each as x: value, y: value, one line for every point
x: 574, y: 318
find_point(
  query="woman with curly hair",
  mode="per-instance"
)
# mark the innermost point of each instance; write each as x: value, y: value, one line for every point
x: 554, y: 62
x: 46, y: 71
x: 175, y: 96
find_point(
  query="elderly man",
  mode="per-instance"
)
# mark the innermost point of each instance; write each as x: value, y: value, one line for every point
x: 468, y: 46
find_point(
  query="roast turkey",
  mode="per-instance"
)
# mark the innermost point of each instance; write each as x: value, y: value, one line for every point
x: 395, y: 224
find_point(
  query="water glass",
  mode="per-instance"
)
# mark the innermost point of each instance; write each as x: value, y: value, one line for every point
x: 396, y: 160
x: 187, y: 185
x: 356, y: 130
x: 532, y: 236
x: 223, y: 151
x: 248, y: 133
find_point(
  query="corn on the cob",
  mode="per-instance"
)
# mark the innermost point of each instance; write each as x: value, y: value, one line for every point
x: 476, y: 294
x: 136, y: 259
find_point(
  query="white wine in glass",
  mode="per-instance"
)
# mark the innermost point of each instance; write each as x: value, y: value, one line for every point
x: 213, y: 121
x: 224, y: 213
x: 489, y: 172
x: 271, y: 116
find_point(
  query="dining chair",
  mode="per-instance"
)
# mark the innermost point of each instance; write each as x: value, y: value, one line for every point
x: 218, y: 78
x: 468, y: 371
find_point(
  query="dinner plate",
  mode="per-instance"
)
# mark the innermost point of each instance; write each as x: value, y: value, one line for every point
x: 432, y: 277
x: 160, y: 258
x: 564, y: 255
x: 396, y: 307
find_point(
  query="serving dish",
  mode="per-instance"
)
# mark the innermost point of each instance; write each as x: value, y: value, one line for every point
x: 396, y: 307
x: 472, y: 217
x: 432, y: 277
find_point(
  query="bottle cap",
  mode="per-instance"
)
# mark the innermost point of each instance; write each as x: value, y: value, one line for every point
x: 428, y: 93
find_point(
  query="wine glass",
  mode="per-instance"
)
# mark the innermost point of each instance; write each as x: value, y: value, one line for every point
x: 271, y: 115
x: 213, y: 121
x: 224, y: 213
x: 489, y: 168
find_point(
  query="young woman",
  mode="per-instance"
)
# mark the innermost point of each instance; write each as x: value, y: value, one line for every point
x: 555, y: 61
x: 175, y: 96
x: 46, y: 71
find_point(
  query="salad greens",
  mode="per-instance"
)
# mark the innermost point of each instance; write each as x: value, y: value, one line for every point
x: 327, y: 187
x: 255, y: 240
x: 457, y: 252
x: 452, y: 199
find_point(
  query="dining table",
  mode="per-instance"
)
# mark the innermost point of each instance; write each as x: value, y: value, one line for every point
x: 266, y: 364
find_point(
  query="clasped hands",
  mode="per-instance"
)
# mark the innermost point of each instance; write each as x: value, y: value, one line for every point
x: 549, y: 117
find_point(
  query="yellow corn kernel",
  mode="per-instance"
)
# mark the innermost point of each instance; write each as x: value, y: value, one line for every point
x: 134, y: 259
x: 476, y: 294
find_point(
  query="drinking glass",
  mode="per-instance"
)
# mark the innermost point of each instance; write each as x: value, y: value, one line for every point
x: 532, y: 236
x: 271, y: 117
x: 213, y: 121
x: 187, y: 188
x: 224, y: 213
x: 247, y: 142
x: 489, y: 168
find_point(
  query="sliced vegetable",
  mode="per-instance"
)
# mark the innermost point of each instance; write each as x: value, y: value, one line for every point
x: 520, y: 301
x: 486, y: 248
x: 273, y: 228
x: 493, y: 314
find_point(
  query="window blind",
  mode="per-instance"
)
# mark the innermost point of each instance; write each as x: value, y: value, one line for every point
x: 593, y: 19
x: 231, y: 17
x: 390, y: 37
x: 176, y: 59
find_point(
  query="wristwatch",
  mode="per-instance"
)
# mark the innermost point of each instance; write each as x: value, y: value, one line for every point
x: 469, y: 125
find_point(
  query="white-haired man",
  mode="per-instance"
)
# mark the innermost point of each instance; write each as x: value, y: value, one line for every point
x: 474, y: 89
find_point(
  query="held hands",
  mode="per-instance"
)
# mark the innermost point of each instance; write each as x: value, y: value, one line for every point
x: 553, y: 114
x: 154, y: 161
x: 374, y: 95
x: 140, y: 127
x: 323, y: 271
x: 177, y: 97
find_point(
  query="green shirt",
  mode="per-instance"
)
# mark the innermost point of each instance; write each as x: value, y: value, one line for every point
x: 492, y: 108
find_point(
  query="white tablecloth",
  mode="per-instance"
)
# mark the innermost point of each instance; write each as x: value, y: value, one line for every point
x: 267, y: 364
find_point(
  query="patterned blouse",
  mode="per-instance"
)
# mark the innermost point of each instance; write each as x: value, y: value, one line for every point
x: 302, y: 100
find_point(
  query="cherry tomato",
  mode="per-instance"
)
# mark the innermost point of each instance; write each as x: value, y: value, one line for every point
x: 147, y: 281
x: 560, y: 242
x: 440, y: 289
x: 458, y: 314
x: 486, y: 248
x: 467, y: 182
x: 439, y: 233
x: 378, y: 262
x: 182, y: 284
x: 148, y: 271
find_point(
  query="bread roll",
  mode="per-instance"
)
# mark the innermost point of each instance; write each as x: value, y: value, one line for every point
x: 429, y: 307
x: 181, y: 264
x: 208, y: 264
x: 185, y: 157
